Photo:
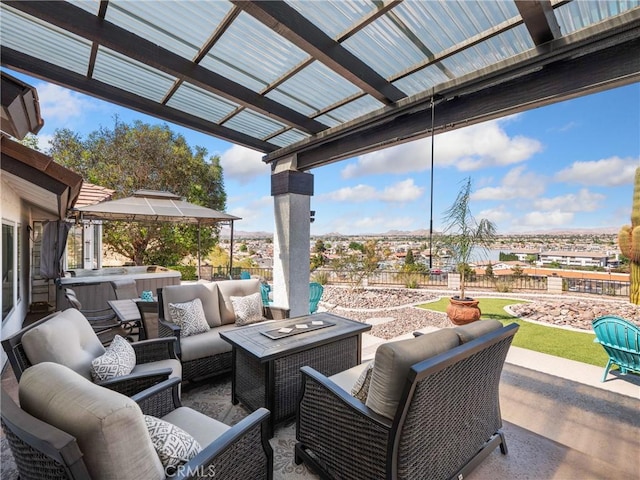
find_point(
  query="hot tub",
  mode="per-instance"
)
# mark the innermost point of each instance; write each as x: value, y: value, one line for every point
x: 94, y: 290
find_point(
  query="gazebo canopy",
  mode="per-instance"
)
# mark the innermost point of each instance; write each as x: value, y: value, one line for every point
x: 154, y: 206
x: 325, y: 80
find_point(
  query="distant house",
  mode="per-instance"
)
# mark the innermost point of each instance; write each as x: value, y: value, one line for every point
x: 524, y: 254
x: 575, y: 259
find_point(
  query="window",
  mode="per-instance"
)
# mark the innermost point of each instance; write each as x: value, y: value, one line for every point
x: 8, y: 269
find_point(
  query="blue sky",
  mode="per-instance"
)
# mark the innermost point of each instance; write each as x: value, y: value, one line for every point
x: 565, y: 166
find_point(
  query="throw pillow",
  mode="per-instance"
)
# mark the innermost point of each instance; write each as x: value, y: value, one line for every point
x: 248, y: 309
x: 173, y: 445
x: 189, y: 316
x: 118, y: 359
x: 360, y: 389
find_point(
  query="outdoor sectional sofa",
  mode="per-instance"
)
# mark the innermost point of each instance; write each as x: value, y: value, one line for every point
x: 206, y: 354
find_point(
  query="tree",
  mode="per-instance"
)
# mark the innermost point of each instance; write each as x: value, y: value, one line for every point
x: 629, y: 242
x: 127, y: 158
x: 409, y: 260
x: 488, y: 271
x: 517, y: 271
x: 464, y: 235
x: 358, y: 265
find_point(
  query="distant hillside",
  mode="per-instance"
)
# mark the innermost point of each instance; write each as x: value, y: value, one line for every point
x: 225, y: 232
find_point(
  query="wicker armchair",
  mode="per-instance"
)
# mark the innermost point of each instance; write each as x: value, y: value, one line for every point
x: 67, y: 338
x: 104, y: 436
x: 446, y: 420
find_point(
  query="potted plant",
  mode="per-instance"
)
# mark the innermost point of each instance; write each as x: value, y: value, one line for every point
x: 465, y: 236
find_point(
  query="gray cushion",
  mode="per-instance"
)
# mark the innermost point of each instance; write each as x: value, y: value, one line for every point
x: 393, y: 361
x: 67, y: 339
x: 108, y: 426
x: 206, y: 292
x: 205, y: 344
x: 204, y: 429
x: 171, y: 363
x: 476, y: 329
x: 234, y: 288
x: 347, y: 378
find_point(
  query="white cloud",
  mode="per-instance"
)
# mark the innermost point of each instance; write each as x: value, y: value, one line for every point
x: 545, y: 219
x: 44, y: 142
x: 607, y: 172
x: 403, y: 191
x: 62, y: 107
x: 583, y: 201
x: 370, y: 224
x: 358, y: 194
x: 517, y: 183
x: 253, y: 214
x: 243, y: 164
x: 497, y: 215
x: 471, y: 148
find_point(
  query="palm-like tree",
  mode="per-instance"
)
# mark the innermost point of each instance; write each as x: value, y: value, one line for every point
x: 464, y: 235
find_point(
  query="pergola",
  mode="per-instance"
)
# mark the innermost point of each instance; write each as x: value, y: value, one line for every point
x: 314, y: 82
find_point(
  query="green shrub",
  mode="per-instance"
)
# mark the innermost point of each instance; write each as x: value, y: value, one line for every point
x: 503, y: 286
x: 189, y: 272
x: 321, y: 277
x: 411, y: 281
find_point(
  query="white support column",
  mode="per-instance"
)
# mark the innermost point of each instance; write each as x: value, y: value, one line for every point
x: 292, y: 192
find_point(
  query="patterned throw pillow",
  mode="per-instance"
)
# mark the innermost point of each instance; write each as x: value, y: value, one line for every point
x: 360, y: 389
x: 248, y: 309
x: 189, y: 316
x: 118, y: 360
x: 173, y: 445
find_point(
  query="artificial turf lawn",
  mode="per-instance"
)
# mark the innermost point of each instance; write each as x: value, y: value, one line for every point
x: 563, y: 343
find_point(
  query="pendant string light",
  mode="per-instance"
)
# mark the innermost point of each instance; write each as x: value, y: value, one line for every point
x: 432, y: 151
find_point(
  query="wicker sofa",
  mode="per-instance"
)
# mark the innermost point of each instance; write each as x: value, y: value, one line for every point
x: 206, y: 354
x: 432, y: 408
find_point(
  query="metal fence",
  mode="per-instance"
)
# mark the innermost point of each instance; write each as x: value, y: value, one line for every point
x: 596, y: 287
x: 507, y: 283
x: 499, y: 283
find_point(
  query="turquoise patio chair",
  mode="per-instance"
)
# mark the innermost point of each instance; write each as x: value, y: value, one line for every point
x: 315, y: 294
x: 244, y: 275
x: 621, y: 340
x: 264, y: 292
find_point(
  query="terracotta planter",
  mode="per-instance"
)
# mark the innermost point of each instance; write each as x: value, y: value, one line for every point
x: 461, y: 312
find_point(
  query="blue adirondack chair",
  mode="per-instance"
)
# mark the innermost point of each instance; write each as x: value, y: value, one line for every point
x: 315, y: 294
x: 244, y: 275
x: 621, y: 340
x: 264, y: 291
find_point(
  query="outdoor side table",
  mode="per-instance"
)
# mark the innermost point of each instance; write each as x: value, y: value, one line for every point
x: 266, y: 370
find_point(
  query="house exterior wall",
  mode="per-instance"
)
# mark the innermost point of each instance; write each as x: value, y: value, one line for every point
x: 13, y: 212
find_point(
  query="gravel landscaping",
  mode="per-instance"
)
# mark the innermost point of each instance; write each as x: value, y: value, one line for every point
x: 392, y: 311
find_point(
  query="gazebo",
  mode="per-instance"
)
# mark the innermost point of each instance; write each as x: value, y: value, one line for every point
x: 156, y: 206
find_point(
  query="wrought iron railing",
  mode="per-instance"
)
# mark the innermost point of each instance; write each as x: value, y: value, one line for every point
x: 500, y: 283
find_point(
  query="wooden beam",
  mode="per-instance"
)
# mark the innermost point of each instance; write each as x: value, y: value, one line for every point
x: 540, y: 20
